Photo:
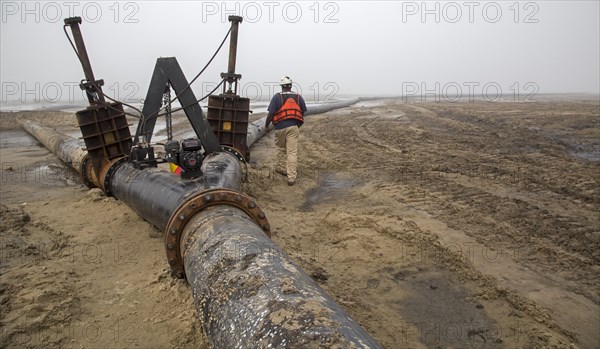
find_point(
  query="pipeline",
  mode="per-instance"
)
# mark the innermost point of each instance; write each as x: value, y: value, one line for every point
x: 257, y: 129
x: 247, y: 291
x: 253, y: 296
x: 155, y: 194
x: 69, y: 150
x: 325, y: 107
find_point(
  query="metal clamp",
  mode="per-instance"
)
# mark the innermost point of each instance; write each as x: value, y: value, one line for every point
x: 86, y: 172
x: 109, y: 173
x: 182, y: 215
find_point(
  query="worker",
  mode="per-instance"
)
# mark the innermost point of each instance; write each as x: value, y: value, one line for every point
x: 286, y: 111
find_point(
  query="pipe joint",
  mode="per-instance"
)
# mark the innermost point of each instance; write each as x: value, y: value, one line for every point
x: 86, y: 172
x: 109, y: 171
x: 175, y: 232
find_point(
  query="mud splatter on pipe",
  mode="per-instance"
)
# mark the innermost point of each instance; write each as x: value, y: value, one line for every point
x: 251, y: 295
x: 247, y: 291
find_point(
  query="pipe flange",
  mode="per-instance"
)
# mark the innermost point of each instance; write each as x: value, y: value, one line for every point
x: 85, y: 172
x: 240, y: 157
x: 234, y: 152
x: 111, y: 170
x: 197, y: 203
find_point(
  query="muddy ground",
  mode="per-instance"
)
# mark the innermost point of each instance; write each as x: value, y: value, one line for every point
x: 435, y: 225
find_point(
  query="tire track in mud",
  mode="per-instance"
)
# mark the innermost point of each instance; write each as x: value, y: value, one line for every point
x: 411, y: 262
x: 398, y: 288
x: 548, y: 252
x: 507, y: 142
x: 521, y: 285
x: 548, y: 220
x: 439, y: 186
x: 523, y: 211
x: 485, y: 198
x: 363, y: 133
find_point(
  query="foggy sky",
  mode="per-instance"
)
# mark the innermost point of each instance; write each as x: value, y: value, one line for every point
x: 328, y: 48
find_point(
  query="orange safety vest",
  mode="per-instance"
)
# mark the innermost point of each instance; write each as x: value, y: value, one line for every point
x: 289, y: 110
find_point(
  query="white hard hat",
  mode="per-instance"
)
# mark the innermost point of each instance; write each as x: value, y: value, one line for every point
x: 285, y: 81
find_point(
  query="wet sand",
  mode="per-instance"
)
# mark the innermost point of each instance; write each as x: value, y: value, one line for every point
x: 433, y: 224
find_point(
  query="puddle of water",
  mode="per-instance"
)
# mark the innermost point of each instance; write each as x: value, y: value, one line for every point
x: 432, y: 294
x: 330, y: 189
x: 584, y: 148
x: 41, y: 172
x: 25, y: 165
x: 400, y: 118
x: 16, y: 138
x: 591, y: 155
x: 370, y: 104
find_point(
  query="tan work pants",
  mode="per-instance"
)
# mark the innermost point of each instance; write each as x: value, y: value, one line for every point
x: 286, y: 141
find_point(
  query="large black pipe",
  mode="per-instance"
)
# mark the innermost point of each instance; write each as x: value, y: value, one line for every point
x: 222, y: 170
x: 246, y: 289
x: 249, y: 293
x: 155, y: 194
x: 152, y: 193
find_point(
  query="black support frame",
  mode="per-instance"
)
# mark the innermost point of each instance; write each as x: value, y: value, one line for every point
x: 167, y: 70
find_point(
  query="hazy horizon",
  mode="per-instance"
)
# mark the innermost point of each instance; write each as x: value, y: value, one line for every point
x: 434, y: 49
